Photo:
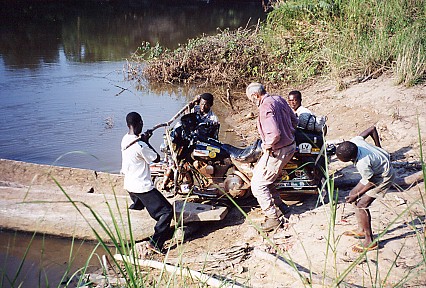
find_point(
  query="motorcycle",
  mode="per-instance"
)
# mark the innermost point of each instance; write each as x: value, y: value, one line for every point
x: 196, y: 163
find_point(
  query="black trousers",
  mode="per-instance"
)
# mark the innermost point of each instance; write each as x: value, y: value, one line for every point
x: 159, y: 209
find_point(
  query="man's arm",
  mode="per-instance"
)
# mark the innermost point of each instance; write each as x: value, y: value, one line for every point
x: 372, y: 131
x: 145, y: 138
x: 158, y: 155
x: 269, y: 128
x: 195, y: 101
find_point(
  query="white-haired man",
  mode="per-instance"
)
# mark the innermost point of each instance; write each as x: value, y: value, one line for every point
x: 276, y: 124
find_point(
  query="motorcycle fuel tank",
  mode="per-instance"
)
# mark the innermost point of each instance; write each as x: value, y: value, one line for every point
x: 208, y: 152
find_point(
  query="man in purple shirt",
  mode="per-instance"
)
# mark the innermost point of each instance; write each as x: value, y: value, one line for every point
x: 276, y: 124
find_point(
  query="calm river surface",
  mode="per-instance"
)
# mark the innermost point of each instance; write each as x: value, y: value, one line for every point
x: 61, y: 90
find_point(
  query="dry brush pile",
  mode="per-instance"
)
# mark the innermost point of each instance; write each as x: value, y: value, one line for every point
x: 228, y: 59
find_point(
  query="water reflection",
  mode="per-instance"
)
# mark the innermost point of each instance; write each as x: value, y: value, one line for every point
x: 61, y: 86
x: 33, y: 32
x: 60, y: 72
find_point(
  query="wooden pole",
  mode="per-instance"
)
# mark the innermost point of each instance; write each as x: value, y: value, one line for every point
x: 204, y: 278
x: 344, y: 182
x: 161, y: 124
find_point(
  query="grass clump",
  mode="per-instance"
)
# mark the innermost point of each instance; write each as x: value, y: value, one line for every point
x: 300, y: 40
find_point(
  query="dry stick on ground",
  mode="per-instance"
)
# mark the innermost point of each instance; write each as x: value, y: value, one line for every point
x: 231, y: 255
x: 207, y: 279
x: 229, y: 98
x: 372, y: 74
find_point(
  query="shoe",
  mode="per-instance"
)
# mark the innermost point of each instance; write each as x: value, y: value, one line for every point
x: 355, y: 234
x: 270, y: 224
x: 358, y: 248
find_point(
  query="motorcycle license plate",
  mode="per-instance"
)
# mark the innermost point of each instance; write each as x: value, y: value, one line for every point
x: 213, y: 149
x: 305, y: 148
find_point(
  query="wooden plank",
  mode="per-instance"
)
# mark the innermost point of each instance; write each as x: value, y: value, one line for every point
x: 196, y: 212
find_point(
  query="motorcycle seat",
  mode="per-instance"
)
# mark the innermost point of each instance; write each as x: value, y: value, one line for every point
x: 249, y: 154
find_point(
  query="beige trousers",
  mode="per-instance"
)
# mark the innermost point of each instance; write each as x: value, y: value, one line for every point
x: 265, y: 173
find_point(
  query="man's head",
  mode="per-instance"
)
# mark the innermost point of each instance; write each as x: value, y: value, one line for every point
x: 347, y: 151
x: 295, y: 99
x: 134, y: 122
x: 206, y: 102
x: 255, y: 91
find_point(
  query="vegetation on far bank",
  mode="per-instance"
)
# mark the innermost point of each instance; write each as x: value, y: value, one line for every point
x: 300, y: 40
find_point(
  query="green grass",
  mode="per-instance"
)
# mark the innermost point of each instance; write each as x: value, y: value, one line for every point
x: 350, y: 38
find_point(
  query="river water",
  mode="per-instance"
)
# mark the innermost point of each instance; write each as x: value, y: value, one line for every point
x: 64, y: 97
x: 62, y: 86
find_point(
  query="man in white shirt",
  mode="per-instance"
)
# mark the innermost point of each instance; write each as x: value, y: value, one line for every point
x: 377, y: 175
x: 136, y: 156
x: 295, y: 102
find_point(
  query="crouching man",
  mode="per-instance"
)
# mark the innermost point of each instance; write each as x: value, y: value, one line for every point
x: 377, y: 175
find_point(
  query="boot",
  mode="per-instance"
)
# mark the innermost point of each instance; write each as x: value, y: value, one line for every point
x: 270, y: 224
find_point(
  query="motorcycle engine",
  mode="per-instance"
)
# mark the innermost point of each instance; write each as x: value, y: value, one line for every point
x: 235, y: 186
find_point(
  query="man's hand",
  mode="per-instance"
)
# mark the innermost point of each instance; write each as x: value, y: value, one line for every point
x: 146, y: 135
x: 195, y: 101
x: 351, y: 198
x: 359, y: 190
